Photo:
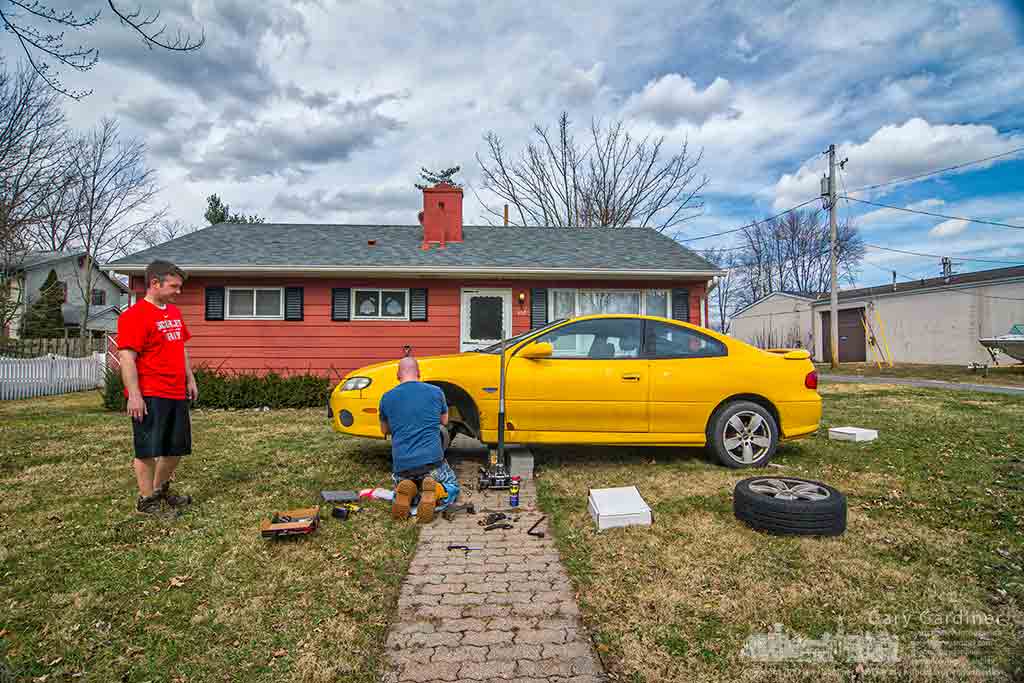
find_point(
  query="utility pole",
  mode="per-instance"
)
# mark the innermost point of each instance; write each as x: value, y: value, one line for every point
x: 834, y: 307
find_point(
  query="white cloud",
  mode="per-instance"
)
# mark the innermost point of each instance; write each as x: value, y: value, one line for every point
x: 673, y: 97
x: 949, y: 228
x: 895, y: 151
x: 893, y: 216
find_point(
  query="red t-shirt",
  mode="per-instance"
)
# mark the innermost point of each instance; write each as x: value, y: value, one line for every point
x: 158, y: 336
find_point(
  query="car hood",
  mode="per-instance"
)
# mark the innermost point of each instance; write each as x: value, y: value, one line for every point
x: 427, y: 364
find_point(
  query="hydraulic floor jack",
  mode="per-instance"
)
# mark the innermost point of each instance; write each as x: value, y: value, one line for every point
x: 497, y: 475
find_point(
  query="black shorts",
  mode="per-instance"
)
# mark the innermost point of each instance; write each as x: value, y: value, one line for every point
x: 166, y: 428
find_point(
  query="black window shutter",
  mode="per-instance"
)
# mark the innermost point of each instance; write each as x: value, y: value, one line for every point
x: 538, y: 308
x: 340, y: 304
x: 214, y: 303
x: 681, y: 305
x: 293, y: 300
x: 418, y: 305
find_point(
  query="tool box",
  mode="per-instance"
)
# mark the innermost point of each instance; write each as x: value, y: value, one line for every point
x: 291, y: 523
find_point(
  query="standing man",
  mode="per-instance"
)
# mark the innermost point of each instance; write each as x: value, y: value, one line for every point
x: 158, y: 383
x: 414, y: 414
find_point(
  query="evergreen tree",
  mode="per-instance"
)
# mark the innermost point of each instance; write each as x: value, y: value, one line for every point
x: 219, y: 212
x: 44, y: 318
x: 444, y: 176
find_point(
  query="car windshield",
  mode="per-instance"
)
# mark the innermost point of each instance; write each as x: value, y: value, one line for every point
x: 496, y: 348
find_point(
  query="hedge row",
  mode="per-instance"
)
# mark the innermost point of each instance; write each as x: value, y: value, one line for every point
x: 233, y: 390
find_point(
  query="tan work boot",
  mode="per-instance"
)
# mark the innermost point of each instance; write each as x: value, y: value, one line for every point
x: 404, y: 493
x: 428, y: 499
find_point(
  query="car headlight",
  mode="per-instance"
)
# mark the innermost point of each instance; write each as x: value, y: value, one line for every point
x: 356, y: 383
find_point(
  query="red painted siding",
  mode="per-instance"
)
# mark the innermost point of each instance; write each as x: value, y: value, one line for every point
x: 320, y: 345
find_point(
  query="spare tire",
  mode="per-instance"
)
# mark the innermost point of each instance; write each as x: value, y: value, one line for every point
x: 790, y: 505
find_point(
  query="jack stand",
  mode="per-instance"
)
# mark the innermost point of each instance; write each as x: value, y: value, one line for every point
x: 498, y: 476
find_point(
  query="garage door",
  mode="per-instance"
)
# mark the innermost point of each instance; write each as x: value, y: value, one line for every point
x: 852, y: 347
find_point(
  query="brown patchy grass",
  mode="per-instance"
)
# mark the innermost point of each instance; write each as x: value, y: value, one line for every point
x: 935, y: 522
x: 1009, y: 374
x: 89, y: 592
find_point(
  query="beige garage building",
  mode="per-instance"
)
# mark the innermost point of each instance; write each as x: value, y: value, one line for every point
x: 779, y: 320
x: 937, y: 320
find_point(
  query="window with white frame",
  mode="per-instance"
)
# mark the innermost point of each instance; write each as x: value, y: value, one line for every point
x: 255, y: 303
x: 380, y: 304
x: 567, y: 303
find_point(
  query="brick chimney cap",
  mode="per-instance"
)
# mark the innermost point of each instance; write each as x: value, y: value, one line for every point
x: 444, y: 187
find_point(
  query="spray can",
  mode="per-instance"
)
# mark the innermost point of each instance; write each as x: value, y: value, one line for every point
x: 513, y: 493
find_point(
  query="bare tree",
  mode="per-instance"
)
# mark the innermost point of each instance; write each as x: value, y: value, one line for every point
x: 32, y: 142
x: 113, y: 207
x: 792, y: 253
x: 165, y: 231
x: 614, y: 180
x: 723, y: 293
x: 31, y: 22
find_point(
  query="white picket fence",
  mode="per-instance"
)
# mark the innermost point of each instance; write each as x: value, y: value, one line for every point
x: 49, y: 375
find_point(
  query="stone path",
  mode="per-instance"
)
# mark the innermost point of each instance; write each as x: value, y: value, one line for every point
x: 504, y: 613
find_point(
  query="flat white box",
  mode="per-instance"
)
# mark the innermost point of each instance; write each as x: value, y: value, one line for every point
x: 852, y: 434
x: 616, y: 507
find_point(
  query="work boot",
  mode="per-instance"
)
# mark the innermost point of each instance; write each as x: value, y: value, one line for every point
x: 404, y: 493
x: 149, y: 506
x: 172, y: 499
x: 428, y: 499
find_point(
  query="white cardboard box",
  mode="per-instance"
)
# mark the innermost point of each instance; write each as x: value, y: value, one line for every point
x: 852, y: 434
x: 615, y: 507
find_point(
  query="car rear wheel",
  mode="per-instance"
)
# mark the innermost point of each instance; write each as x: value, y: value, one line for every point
x: 743, y: 434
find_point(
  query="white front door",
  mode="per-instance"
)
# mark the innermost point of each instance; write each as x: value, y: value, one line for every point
x: 486, y: 317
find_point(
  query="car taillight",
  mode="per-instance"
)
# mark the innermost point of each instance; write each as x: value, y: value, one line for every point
x: 811, y: 380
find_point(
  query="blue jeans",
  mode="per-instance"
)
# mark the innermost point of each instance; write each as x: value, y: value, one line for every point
x: 444, y: 475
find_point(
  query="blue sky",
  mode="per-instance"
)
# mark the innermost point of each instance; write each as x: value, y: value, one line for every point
x: 323, y: 111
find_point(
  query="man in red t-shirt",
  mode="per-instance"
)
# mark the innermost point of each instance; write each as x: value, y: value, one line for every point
x: 158, y: 383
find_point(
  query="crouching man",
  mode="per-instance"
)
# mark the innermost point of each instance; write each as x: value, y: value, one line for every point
x: 414, y: 414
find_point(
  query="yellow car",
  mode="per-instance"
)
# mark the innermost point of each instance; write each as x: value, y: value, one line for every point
x: 612, y: 379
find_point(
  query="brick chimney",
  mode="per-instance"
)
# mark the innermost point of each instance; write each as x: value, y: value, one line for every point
x: 442, y: 215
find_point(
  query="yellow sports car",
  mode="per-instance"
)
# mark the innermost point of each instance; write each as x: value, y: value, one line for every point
x: 612, y: 379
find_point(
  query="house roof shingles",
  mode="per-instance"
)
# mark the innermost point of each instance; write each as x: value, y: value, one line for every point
x: 281, y: 245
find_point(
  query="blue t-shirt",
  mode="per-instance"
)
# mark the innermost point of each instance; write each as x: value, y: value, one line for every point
x: 413, y: 411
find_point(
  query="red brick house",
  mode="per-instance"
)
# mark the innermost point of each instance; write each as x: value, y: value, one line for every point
x: 331, y: 298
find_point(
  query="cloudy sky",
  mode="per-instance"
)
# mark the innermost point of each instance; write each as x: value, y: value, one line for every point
x: 323, y: 111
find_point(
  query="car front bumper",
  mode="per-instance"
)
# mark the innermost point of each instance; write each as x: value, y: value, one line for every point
x: 351, y: 413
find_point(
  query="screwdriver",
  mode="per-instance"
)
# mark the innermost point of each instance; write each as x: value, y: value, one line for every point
x: 462, y: 547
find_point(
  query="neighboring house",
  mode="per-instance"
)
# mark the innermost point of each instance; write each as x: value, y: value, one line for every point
x: 107, y: 299
x: 778, y: 320
x: 331, y: 298
x: 938, y: 320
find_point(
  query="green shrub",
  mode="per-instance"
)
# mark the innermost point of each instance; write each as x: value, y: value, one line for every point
x: 113, y: 391
x: 239, y: 389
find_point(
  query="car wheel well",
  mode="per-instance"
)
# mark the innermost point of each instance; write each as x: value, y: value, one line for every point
x: 468, y: 414
x: 753, y: 398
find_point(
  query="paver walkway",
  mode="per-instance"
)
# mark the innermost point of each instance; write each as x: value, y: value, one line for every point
x: 506, y: 612
x: 925, y: 384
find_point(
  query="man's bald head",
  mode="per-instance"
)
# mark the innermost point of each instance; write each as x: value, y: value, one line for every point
x: 408, y: 369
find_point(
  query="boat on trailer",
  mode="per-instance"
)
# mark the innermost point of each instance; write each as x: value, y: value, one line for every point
x: 1011, y: 343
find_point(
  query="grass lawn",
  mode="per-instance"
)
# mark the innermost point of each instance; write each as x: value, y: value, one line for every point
x: 1006, y: 375
x: 91, y: 593
x: 936, y: 515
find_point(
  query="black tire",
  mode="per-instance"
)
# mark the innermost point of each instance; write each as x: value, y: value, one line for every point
x: 719, y: 423
x: 799, y: 517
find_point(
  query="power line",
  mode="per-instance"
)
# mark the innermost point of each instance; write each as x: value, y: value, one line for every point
x: 938, y: 171
x: 936, y: 215
x: 750, y: 225
x: 955, y: 256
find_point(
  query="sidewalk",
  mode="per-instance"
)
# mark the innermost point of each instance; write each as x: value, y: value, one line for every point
x: 925, y: 384
x: 506, y: 612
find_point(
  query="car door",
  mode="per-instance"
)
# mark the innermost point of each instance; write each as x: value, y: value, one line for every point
x: 688, y: 372
x: 594, y: 381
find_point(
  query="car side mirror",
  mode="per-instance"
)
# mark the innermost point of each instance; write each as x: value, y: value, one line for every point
x: 537, y: 350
